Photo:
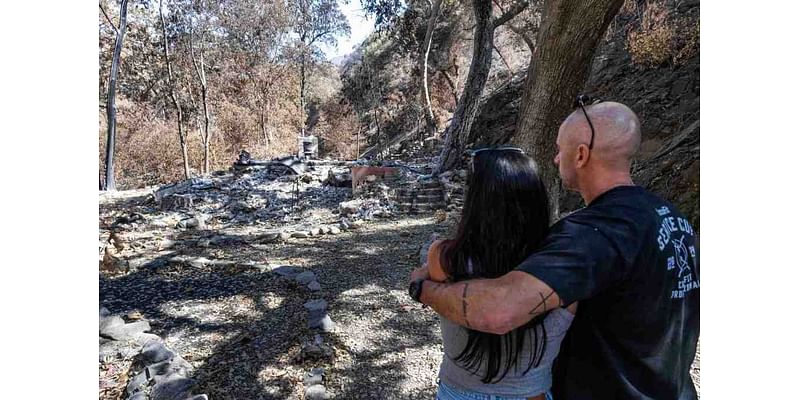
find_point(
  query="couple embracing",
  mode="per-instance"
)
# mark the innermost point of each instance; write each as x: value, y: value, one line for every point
x: 604, y: 304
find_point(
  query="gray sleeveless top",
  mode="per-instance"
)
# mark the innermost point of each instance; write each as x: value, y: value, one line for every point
x: 515, y: 384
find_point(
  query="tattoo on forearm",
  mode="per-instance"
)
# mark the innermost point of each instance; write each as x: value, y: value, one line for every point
x: 542, y: 305
x: 464, y: 305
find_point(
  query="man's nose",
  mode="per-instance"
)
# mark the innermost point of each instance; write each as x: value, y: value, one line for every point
x: 555, y: 160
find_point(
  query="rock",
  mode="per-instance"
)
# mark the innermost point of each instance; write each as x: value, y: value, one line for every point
x: 196, y: 222
x: 198, y: 397
x: 316, y: 305
x: 325, y: 323
x: 109, y: 323
x: 325, y: 230
x: 138, y: 396
x: 155, y: 352
x: 440, y: 216
x: 127, y: 331
x: 335, y: 230
x: 285, y: 235
x: 204, y: 243
x: 316, y: 231
x: 349, y: 207
x: 314, y: 286
x: 286, y: 271
x: 301, y: 234
x: 104, y: 312
x: 316, y: 392
x: 176, y: 365
x: 199, y: 262
x: 305, y: 277
x: 145, y: 338
x: 314, y: 377
x: 137, y: 382
x: 172, y: 387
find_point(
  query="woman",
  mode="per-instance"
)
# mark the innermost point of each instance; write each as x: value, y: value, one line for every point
x: 504, y: 219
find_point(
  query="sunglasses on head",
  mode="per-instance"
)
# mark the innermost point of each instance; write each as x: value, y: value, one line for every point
x: 474, y: 153
x: 582, y: 101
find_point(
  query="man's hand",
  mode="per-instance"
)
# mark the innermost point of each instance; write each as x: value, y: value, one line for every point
x: 420, y: 273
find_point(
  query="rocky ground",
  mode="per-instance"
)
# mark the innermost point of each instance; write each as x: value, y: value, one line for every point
x: 261, y: 286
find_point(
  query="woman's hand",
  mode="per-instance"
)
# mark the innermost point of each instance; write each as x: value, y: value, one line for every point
x: 420, y: 273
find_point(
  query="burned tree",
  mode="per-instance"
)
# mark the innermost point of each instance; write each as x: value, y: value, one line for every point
x: 559, y: 68
x: 172, y: 95
x: 111, y: 110
x: 457, y: 132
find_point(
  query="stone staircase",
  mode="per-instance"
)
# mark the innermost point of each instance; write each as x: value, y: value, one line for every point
x: 420, y: 197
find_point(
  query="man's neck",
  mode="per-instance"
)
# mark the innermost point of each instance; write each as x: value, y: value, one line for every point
x: 596, y: 187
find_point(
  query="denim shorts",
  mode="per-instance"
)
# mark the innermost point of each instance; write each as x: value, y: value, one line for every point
x: 450, y: 393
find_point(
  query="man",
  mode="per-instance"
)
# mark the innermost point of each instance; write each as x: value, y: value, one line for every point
x: 629, y: 258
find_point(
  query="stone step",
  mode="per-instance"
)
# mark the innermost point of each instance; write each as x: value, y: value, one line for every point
x: 425, y: 192
x: 420, y: 196
x: 420, y: 206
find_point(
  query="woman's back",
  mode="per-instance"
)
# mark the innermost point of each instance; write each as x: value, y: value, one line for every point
x: 516, y: 382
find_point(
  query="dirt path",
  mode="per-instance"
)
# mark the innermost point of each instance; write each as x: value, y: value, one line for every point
x: 242, y: 329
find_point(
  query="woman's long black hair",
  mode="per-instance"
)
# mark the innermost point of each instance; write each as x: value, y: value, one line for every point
x: 504, y: 219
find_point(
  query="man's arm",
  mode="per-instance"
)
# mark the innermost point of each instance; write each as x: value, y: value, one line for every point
x: 491, y: 305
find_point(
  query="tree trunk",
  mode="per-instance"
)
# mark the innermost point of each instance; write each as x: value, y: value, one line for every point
x: 111, y: 108
x: 174, y: 97
x: 206, y: 123
x: 561, y: 64
x: 430, y: 119
x: 458, y: 131
x: 303, y: 95
x: 200, y: 70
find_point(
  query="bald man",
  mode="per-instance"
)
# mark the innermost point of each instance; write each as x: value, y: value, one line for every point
x: 630, y: 258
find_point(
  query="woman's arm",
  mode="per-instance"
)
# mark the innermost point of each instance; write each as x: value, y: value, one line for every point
x: 434, y: 266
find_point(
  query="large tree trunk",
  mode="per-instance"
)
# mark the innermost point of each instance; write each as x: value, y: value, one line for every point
x: 174, y: 97
x: 430, y: 119
x: 111, y: 108
x: 561, y: 64
x: 457, y: 132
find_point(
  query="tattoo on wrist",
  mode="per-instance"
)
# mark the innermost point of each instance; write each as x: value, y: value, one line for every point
x: 464, y: 305
x: 542, y: 305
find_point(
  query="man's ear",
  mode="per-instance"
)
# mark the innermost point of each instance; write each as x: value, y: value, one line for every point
x: 581, y: 156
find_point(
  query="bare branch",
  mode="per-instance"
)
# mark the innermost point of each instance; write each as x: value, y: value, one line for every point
x: 519, y: 31
x: 511, y: 13
x: 116, y: 31
x: 508, y: 67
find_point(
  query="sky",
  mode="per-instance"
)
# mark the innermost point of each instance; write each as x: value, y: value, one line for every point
x: 360, y: 28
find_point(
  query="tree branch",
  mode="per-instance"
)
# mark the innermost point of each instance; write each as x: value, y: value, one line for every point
x: 116, y: 31
x: 531, y: 44
x: 511, y: 13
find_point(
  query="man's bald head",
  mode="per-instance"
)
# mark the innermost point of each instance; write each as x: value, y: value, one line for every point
x: 617, y: 133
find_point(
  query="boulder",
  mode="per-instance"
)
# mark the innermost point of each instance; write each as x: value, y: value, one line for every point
x: 316, y: 392
x: 155, y: 352
x: 127, y: 331
x: 305, y: 277
x: 172, y: 387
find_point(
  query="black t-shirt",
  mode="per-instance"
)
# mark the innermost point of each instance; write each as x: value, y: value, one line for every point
x: 632, y: 260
